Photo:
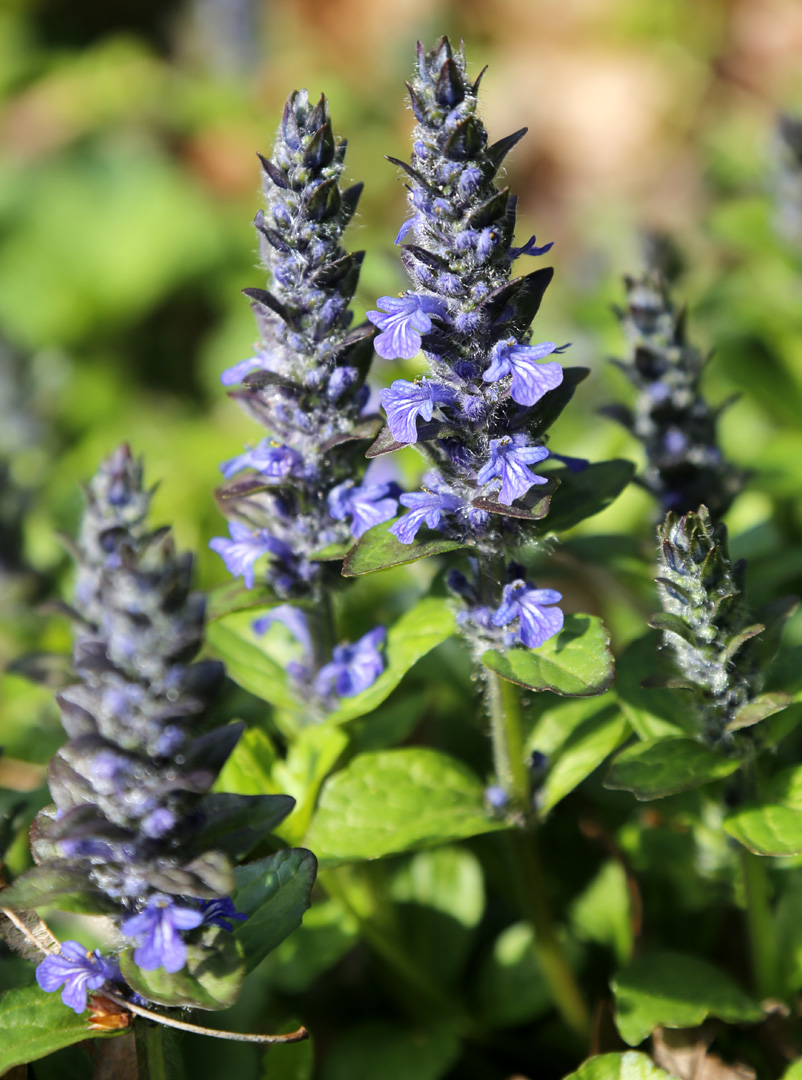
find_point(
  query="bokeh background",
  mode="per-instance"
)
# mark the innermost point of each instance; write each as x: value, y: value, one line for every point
x: 129, y: 180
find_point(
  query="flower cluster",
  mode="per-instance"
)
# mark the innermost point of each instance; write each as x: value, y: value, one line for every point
x: 670, y: 417
x: 298, y: 490
x: 130, y: 787
x: 480, y: 414
x: 721, y: 652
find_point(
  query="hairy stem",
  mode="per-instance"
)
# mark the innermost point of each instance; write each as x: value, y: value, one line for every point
x: 150, y: 1052
x: 506, y: 728
x: 565, y: 992
x: 506, y: 731
x: 760, y: 925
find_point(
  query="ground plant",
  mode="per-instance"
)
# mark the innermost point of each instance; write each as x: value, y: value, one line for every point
x: 387, y: 690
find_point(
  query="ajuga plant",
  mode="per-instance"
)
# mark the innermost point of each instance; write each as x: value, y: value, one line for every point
x: 670, y: 417
x: 720, y: 651
x: 299, y: 495
x: 134, y: 832
x: 480, y: 415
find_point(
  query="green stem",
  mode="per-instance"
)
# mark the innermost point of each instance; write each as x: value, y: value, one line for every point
x: 150, y: 1056
x: 760, y: 923
x: 506, y: 730
x: 509, y: 758
x: 565, y: 991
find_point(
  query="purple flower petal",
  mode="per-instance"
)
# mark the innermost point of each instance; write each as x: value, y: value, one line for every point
x: 509, y: 457
x: 538, y: 619
x: 402, y: 321
x: 353, y: 668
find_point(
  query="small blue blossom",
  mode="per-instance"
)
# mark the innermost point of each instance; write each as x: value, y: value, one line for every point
x: 509, y: 458
x: 496, y: 798
x: 530, y: 380
x: 353, y: 668
x: 220, y: 912
x: 243, y: 549
x: 237, y: 372
x: 78, y: 971
x: 367, y: 505
x: 155, y: 930
x: 267, y: 458
x: 402, y: 320
x: 529, y: 248
x: 426, y: 507
x: 405, y: 401
x: 295, y: 620
x: 538, y: 620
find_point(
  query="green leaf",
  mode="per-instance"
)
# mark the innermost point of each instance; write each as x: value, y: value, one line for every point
x: 653, y: 713
x: 34, y: 1024
x: 430, y: 622
x: 380, y: 1049
x: 310, y: 759
x: 628, y: 1066
x: 676, y: 990
x: 57, y: 884
x: 759, y: 709
x: 583, y: 751
x: 274, y: 892
x: 233, y: 596
x: 397, y: 800
x: 237, y: 823
x: 440, y: 900
x: 583, y: 494
x: 793, y: 1072
x: 602, y: 913
x: 247, y: 661
x: 379, y: 549
x: 326, y: 934
x: 511, y: 987
x: 211, y: 979
x: 577, y: 662
x: 660, y: 767
x: 249, y: 767
x: 772, y: 826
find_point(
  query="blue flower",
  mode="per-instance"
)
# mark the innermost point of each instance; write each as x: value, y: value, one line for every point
x: 156, y: 932
x: 405, y: 401
x: 78, y: 970
x: 509, y: 457
x: 237, y: 372
x: 402, y: 320
x: 530, y: 380
x: 353, y: 668
x: 426, y: 507
x: 268, y: 458
x: 366, y: 505
x: 219, y: 912
x: 529, y: 248
x: 538, y: 622
x: 296, y: 621
x: 243, y: 549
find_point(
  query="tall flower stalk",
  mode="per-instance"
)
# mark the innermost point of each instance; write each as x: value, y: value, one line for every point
x: 720, y: 650
x: 669, y: 416
x: 128, y: 834
x: 299, y: 494
x: 479, y: 416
